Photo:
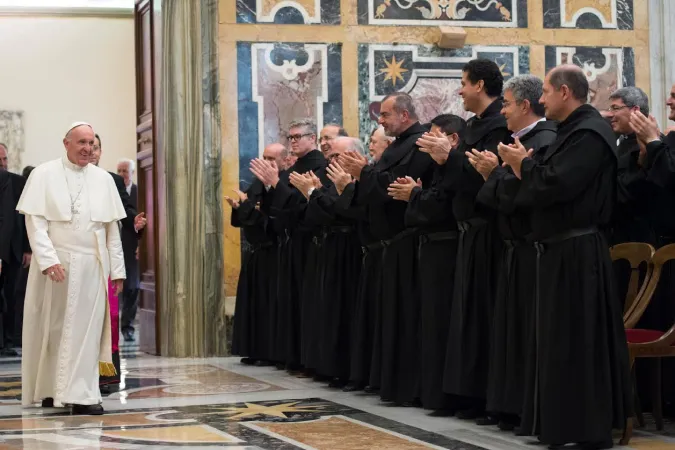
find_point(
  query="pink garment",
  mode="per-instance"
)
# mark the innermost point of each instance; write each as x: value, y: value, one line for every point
x: 114, y: 316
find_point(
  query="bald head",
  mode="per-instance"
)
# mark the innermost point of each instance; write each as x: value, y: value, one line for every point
x: 343, y: 144
x: 379, y: 141
x: 276, y: 153
x: 565, y: 89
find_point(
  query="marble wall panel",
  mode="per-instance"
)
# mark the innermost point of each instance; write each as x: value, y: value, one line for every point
x: 281, y: 82
x: 430, y: 75
x: 607, y: 68
x: 589, y: 14
x: 289, y: 12
x: 470, y: 13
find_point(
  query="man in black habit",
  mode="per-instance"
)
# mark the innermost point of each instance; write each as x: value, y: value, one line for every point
x: 581, y: 376
x: 512, y: 324
x: 399, y: 306
x: 333, y: 289
x: 287, y: 206
x: 479, y: 245
x: 430, y: 210
x: 254, y: 319
x: 636, y: 195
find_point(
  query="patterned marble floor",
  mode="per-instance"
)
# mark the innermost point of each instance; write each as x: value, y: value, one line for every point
x: 218, y: 403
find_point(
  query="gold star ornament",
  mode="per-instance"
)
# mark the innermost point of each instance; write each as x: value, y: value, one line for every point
x: 501, y: 69
x: 393, y: 71
x: 252, y: 409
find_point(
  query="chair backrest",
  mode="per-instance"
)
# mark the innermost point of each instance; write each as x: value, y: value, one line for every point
x: 661, y: 257
x: 636, y: 253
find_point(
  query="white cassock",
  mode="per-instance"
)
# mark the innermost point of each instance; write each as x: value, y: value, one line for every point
x: 71, y: 218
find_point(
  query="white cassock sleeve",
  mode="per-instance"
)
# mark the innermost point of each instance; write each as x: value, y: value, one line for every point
x: 114, y: 243
x: 40, y: 243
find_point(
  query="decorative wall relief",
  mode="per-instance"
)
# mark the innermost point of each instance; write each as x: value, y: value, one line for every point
x: 588, y: 14
x: 296, y: 12
x: 430, y: 75
x: 278, y: 83
x: 607, y: 68
x: 470, y: 13
x: 12, y: 134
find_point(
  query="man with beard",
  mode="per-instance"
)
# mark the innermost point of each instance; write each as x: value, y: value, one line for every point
x: 581, y: 375
x: 328, y: 134
x: 253, y: 332
x: 329, y: 297
x: 512, y: 327
x: 400, y: 310
x: 430, y: 209
x: 479, y: 246
x: 635, y: 194
x: 287, y: 206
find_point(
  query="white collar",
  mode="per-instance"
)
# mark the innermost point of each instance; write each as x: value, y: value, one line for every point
x: 527, y: 129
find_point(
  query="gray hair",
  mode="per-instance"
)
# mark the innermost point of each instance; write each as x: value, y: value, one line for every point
x: 354, y: 144
x: 308, y: 124
x: 131, y: 162
x: 402, y: 102
x: 380, y: 128
x: 2, y: 144
x: 527, y: 87
x: 632, y: 96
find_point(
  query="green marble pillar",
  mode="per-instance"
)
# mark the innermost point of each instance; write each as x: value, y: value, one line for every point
x: 192, y: 302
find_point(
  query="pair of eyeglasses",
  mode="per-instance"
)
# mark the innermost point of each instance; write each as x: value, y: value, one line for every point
x: 615, y: 108
x: 297, y: 137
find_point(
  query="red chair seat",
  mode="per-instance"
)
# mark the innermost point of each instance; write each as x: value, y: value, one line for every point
x: 637, y: 336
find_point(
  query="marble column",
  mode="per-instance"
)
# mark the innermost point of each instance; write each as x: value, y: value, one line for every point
x: 192, y: 300
x: 661, y: 49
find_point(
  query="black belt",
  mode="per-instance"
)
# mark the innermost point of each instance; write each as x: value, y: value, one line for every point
x: 513, y: 243
x: 403, y: 234
x: 439, y: 236
x: 317, y: 240
x: 339, y: 229
x: 565, y: 235
x: 257, y: 247
x: 464, y: 225
x: 371, y: 247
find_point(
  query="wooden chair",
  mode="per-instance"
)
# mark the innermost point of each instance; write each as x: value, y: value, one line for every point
x: 637, y: 254
x: 651, y: 343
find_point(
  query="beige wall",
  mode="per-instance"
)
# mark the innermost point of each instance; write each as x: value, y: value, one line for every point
x: 64, y: 69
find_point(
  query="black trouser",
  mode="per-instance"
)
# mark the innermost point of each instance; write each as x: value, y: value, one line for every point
x: 129, y: 306
x: 8, y: 282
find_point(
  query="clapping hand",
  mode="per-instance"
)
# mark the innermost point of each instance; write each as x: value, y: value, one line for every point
x: 513, y: 155
x: 265, y: 171
x: 646, y: 129
x: 338, y: 176
x: 484, y: 162
x: 353, y: 163
x: 302, y: 182
x: 402, y: 188
x: 140, y: 222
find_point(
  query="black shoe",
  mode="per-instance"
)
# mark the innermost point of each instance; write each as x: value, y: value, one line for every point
x: 105, y: 389
x: 321, y: 378
x: 442, y: 413
x: 486, y: 421
x: 371, y: 390
x: 87, y: 410
x: 469, y: 414
x: 337, y: 383
x: 247, y: 361
x: 261, y: 363
x: 601, y: 445
x: 128, y: 336
x: 48, y: 402
x: 506, y: 426
x: 280, y: 366
x: 353, y: 387
x: 9, y: 352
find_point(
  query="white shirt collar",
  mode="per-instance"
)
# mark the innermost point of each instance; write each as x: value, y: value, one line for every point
x: 527, y: 129
x: 70, y: 165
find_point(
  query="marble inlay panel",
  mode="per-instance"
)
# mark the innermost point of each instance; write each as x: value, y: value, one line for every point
x: 430, y: 75
x: 607, y: 68
x: 469, y: 13
x: 589, y: 14
x: 296, y: 12
x: 281, y: 82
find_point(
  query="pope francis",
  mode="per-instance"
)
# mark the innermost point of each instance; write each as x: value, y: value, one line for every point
x: 71, y: 209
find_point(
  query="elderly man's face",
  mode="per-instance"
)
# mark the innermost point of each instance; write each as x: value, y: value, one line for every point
x: 4, y: 158
x: 124, y: 171
x: 378, y: 144
x: 79, y: 143
x: 326, y: 137
x: 95, y: 152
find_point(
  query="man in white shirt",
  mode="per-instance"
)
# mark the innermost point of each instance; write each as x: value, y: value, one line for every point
x: 72, y: 209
